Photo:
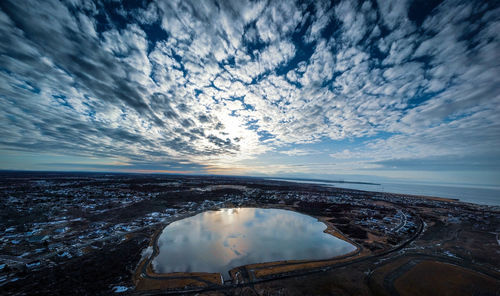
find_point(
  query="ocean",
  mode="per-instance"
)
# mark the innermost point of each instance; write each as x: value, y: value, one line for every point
x: 478, y: 195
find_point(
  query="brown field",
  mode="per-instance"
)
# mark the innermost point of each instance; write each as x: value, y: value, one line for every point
x: 276, y: 270
x: 177, y: 280
x: 376, y: 281
x: 173, y: 283
x: 438, y: 278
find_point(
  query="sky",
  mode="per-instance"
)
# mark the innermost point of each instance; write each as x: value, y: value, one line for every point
x: 367, y: 90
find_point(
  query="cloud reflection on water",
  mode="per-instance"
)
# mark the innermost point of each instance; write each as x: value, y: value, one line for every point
x: 216, y: 241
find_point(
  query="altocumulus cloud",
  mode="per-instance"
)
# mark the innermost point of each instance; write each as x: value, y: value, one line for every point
x: 213, y: 83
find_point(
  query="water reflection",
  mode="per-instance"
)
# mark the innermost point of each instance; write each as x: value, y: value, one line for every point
x: 216, y: 241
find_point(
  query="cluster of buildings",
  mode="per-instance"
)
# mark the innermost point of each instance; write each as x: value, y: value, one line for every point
x: 47, y: 221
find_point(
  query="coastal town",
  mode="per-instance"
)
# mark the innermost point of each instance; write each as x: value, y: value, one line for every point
x: 100, y: 225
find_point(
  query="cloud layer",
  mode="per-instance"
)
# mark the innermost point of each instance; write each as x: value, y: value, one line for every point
x: 213, y: 84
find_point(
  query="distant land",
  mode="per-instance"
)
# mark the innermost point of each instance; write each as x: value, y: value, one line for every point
x: 478, y: 194
x: 323, y: 181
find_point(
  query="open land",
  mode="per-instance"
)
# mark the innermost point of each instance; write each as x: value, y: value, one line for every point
x: 95, y: 234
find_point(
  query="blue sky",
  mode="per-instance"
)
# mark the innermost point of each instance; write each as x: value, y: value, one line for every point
x: 343, y: 89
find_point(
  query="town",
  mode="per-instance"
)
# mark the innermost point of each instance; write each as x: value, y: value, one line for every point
x: 55, y: 224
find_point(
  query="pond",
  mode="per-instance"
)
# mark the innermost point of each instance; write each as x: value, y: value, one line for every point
x: 217, y: 241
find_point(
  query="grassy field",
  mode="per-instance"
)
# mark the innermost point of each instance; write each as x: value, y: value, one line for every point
x: 438, y: 278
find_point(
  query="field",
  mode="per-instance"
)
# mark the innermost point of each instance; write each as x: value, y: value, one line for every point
x: 433, y: 277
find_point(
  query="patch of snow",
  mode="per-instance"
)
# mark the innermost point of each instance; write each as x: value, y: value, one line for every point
x: 61, y: 230
x: 450, y: 254
x: 119, y: 289
x: 146, y: 252
x: 31, y: 265
x: 65, y: 254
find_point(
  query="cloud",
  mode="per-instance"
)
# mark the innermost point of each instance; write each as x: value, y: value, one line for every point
x: 219, y: 83
x: 445, y: 163
x: 296, y: 152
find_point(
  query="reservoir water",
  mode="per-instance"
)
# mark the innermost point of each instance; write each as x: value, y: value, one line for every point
x: 217, y: 241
